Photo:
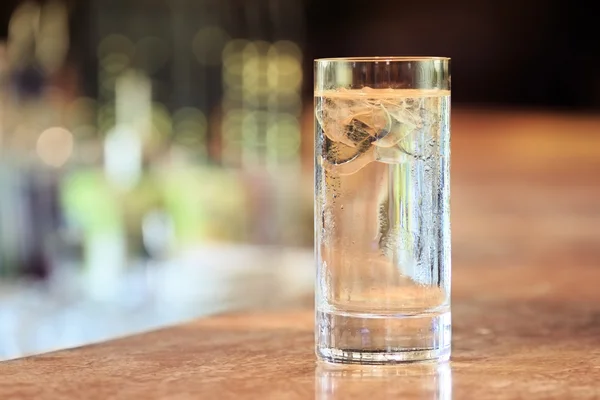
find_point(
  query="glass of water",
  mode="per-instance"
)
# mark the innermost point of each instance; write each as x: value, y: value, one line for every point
x: 382, y: 209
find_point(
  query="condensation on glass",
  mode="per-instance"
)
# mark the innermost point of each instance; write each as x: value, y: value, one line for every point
x: 382, y: 209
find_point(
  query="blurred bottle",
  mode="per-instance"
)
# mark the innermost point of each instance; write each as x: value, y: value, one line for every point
x: 32, y: 147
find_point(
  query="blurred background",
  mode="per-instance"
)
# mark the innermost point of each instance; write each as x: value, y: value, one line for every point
x: 156, y: 155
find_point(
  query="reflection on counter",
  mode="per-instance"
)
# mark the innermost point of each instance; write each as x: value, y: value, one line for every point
x: 74, y: 307
x: 415, y: 381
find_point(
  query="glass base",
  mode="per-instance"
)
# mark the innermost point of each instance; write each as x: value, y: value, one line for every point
x: 382, y: 356
x: 360, y: 338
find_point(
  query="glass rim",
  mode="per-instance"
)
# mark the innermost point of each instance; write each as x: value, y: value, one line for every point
x: 382, y: 59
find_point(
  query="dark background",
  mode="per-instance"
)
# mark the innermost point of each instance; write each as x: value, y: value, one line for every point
x: 531, y: 53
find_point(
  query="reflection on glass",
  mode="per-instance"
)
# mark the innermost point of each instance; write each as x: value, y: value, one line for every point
x: 409, y: 381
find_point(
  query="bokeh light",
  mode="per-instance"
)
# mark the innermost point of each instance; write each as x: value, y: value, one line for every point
x: 55, y: 146
x: 261, y: 102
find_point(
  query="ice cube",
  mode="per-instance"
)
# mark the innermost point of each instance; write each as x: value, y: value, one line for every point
x: 358, y: 132
x: 400, y: 124
x: 350, y: 121
x: 372, y: 119
x: 330, y: 115
x: 345, y: 160
x: 390, y: 155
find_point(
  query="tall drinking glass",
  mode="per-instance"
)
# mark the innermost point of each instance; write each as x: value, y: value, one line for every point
x: 382, y: 209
